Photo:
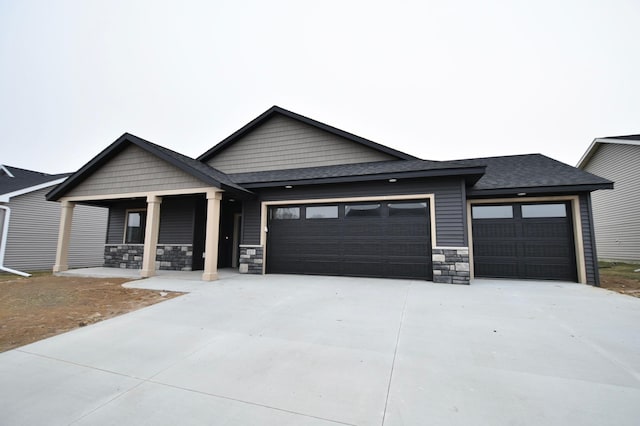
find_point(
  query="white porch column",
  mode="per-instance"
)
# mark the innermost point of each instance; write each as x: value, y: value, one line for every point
x: 151, y: 236
x: 211, y: 238
x: 64, y: 235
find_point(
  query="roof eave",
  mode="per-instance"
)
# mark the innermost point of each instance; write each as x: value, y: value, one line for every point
x: 538, y: 190
x: 116, y: 147
x: 470, y: 174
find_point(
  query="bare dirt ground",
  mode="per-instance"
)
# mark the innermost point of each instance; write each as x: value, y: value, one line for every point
x: 41, y: 306
x: 620, y: 277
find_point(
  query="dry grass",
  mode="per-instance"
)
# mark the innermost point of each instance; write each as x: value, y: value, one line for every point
x: 620, y: 277
x: 41, y: 306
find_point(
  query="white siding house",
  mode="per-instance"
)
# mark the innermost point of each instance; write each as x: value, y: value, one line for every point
x: 32, y: 224
x: 616, y: 213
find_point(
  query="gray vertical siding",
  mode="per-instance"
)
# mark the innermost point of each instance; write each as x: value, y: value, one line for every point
x: 588, y: 239
x: 615, y: 212
x: 449, y: 203
x: 33, y: 233
x: 285, y: 143
x: 135, y: 170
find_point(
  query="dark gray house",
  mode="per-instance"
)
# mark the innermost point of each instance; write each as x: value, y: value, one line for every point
x: 288, y: 194
x: 616, y: 219
x: 29, y: 224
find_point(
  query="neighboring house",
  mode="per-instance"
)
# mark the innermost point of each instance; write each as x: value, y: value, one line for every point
x: 288, y: 194
x: 29, y: 224
x: 616, y: 213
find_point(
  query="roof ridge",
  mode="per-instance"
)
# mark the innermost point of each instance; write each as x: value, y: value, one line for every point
x: 304, y: 119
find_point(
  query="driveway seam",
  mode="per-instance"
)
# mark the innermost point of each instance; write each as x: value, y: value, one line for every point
x: 395, y: 353
x: 248, y: 402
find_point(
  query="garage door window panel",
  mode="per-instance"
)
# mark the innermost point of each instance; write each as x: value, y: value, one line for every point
x: 359, y: 211
x: 321, y: 212
x: 408, y: 209
x: 285, y: 213
x: 492, y: 212
x: 544, y: 210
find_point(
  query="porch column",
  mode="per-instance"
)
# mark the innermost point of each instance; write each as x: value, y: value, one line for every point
x: 151, y: 236
x: 211, y: 238
x: 64, y: 235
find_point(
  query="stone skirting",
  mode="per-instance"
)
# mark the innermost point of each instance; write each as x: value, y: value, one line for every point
x: 251, y: 259
x: 168, y: 257
x: 174, y: 257
x: 450, y: 265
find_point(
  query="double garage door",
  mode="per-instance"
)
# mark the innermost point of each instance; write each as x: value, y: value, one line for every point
x: 524, y: 240
x: 367, y: 239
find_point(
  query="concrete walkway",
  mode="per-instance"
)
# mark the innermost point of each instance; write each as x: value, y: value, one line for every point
x: 293, y: 350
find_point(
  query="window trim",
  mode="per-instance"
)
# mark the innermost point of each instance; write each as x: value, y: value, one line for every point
x: 126, y: 224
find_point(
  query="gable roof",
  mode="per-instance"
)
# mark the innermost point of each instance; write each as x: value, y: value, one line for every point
x: 274, y: 110
x: 16, y: 181
x: 531, y: 173
x: 624, y: 140
x: 199, y: 170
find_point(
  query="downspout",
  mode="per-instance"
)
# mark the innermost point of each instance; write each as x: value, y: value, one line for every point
x: 3, y: 243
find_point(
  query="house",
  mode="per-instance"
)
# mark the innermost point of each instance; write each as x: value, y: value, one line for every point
x: 616, y: 219
x: 29, y: 224
x: 288, y: 194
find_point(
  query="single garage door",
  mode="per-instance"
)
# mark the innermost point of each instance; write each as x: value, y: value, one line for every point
x: 369, y: 239
x: 524, y: 240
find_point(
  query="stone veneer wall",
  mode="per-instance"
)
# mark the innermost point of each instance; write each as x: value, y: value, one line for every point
x: 168, y: 257
x: 450, y: 265
x: 251, y: 259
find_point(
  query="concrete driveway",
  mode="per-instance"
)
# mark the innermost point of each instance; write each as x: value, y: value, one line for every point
x: 293, y: 350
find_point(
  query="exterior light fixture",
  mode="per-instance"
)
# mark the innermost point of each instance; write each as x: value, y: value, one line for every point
x: 521, y: 194
x: 288, y: 186
x: 393, y: 180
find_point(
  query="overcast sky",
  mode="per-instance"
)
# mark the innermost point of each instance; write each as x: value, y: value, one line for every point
x: 439, y: 79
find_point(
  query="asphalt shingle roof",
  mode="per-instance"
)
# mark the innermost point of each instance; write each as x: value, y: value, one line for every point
x: 23, y: 179
x: 530, y: 170
x: 345, y: 170
x: 517, y: 171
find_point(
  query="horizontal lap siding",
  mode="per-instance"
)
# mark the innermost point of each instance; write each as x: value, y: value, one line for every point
x: 449, y: 205
x: 285, y: 143
x: 33, y: 233
x: 176, y: 220
x: 135, y: 170
x: 615, y: 212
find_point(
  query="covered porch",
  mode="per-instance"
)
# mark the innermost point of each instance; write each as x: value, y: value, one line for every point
x: 164, y: 210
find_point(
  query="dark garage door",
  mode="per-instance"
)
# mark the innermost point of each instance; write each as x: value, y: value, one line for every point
x: 369, y: 239
x: 524, y: 240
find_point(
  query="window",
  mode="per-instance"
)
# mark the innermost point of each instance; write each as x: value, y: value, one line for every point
x: 362, y: 210
x: 285, y: 213
x: 544, y: 210
x: 322, y: 212
x: 136, y: 223
x: 408, y: 209
x: 492, y: 212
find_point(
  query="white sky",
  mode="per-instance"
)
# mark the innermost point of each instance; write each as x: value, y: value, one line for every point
x: 439, y: 79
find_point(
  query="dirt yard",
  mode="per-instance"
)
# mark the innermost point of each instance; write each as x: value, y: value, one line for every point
x: 620, y: 277
x: 41, y: 306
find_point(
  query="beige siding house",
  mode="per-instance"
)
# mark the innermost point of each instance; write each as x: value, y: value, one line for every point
x: 616, y: 213
x: 29, y: 224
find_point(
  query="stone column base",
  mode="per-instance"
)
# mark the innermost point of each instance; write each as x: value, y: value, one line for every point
x: 251, y: 259
x: 451, y: 265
